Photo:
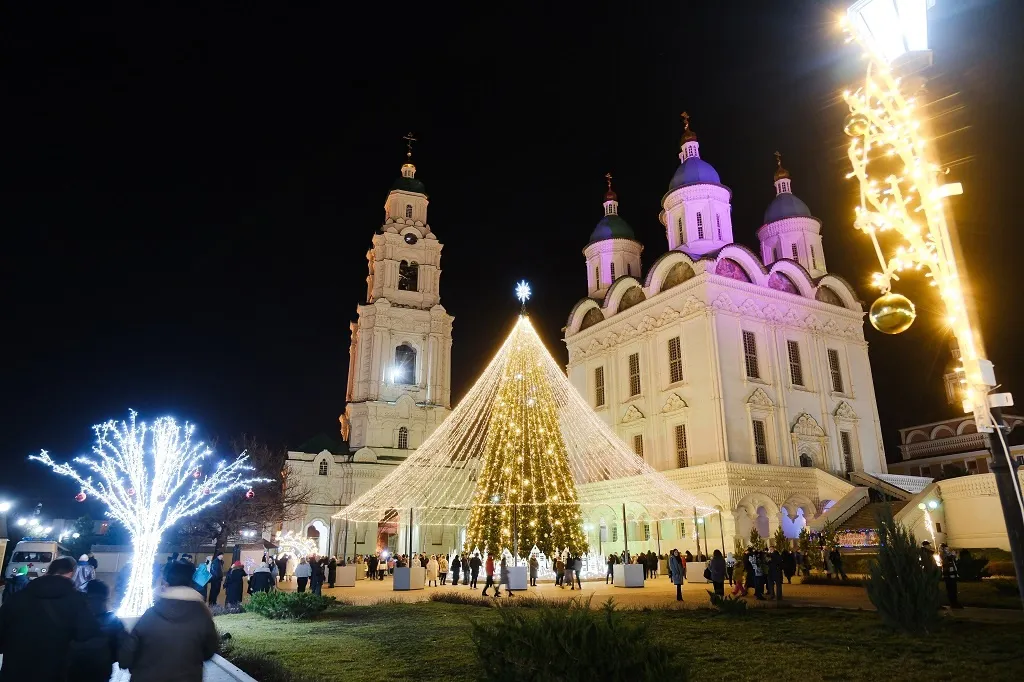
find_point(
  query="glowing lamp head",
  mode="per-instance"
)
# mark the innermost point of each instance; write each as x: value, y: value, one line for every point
x: 892, y: 28
x: 892, y: 313
x: 523, y: 291
x: 76, y: 535
x: 5, y: 507
x: 932, y: 504
x: 22, y: 522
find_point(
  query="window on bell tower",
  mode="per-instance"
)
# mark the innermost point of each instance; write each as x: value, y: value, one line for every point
x: 408, y: 276
x: 682, y: 234
x: 718, y: 224
x: 700, y: 225
x: 795, y: 256
x: 408, y: 210
x: 404, y: 369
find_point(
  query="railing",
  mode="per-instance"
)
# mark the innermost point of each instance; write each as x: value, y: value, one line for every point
x: 844, y: 508
x: 965, y: 442
x: 888, y: 487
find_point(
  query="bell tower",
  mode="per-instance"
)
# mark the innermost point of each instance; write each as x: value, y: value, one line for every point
x: 399, y: 377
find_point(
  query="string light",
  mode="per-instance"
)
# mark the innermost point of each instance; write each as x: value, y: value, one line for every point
x: 145, y: 478
x: 551, y: 460
x: 294, y: 544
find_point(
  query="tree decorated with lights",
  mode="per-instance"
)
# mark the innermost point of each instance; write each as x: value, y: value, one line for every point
x: 526, y: 495
x: 150, y: 477
x: 518, y: 460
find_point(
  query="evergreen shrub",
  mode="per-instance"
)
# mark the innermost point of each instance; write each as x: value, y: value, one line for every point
x: 903, y: 589
x: 288, y: 605
x: 728, y: 605
x: 571, y: 643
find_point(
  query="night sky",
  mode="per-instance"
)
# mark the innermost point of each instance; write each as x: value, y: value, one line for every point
x: 187, y: 195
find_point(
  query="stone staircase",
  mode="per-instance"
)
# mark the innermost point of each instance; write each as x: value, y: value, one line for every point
x: 865, y: 516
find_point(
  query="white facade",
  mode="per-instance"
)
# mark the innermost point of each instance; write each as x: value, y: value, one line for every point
x: 399, y: 378
x: 715, y: 358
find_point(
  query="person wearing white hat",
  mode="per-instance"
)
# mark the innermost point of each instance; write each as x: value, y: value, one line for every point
x: 84, y: 572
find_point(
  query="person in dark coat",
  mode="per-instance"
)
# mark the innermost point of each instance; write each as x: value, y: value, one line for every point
x: 282, y: 567
x: 717, y: 568
x: 92, y: 661
x: 456, y: 569
x: 676, y: 570
x: 474, y: 567
x: 175, y: 634
x: 261, y: 580
x: 774, y: 575
x: 234, y: 581
x: 316, y: 576
x: 788, y: 565
x: 216, y: 577
x: 332, y: 572
x: 16, y: 583
x: 39, y: 624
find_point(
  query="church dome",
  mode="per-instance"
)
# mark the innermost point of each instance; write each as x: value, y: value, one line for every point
x: 409, y: 185
x: 786, y: 205
x: 611, y: 227
x: 694, y: 171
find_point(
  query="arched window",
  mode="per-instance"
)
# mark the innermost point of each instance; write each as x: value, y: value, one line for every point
x: 700, y: 225
x: 403, y: 438
x: 408, y: 276
x: 404, y: 370
x: 806, y: 461
x: 682, y: 235
x: 408, y: 210
x: 323, y: 467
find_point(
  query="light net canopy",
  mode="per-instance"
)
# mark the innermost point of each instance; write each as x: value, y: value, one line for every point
x: 524, y: 448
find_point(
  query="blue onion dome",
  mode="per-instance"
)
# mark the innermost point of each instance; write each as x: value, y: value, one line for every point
x: 786, y: 205
x: 694, y: 171
x: 612, y: 227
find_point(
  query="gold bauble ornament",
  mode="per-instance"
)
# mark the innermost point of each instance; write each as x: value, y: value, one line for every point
x: 856, y: 125
x: 892, y: 313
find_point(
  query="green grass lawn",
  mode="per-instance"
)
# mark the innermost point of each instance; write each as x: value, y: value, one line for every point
x: 431, y: 641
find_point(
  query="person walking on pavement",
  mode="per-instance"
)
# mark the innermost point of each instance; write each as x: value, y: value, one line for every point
x: 489, y: 571
x: 474, y: 567
x: 675, y: 570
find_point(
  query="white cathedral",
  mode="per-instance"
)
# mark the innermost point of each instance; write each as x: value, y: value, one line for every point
x: 743, y: 377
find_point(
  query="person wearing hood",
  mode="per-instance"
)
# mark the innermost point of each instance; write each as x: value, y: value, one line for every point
x: 93, y: 660
x: 16, y: 583
x: 261, y: 580
x: 233, y: 583
x: 175, y: 634
x: 84, y: 572
x: 216, y: 577
x: 39, y: 624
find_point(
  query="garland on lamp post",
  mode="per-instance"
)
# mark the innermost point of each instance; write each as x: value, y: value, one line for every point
x: 901, y: 191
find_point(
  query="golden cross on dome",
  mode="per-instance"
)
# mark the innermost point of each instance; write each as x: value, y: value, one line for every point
x: 608, y: 179
x: 778, y: 159
x: 686, y: 120
x: 409, y: 139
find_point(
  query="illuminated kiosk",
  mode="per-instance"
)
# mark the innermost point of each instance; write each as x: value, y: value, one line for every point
x: 514, y: 465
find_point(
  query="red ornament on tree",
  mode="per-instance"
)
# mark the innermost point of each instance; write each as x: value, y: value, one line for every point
x: 206, y: 491
x: 80, y: 497
x: 131, y: 492
x: 197, y: 473
x: 250, y: 494
x: 161, y: 498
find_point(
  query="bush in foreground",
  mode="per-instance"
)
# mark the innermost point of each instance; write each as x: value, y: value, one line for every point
x: 729, y: 605
x: 472, y: 599
x: 288, y: 605
x: 570, y: 643
x: 905, y: 591
x: 260, y: 665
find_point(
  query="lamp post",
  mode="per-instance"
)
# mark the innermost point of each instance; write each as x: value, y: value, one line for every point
x: 901, y: 192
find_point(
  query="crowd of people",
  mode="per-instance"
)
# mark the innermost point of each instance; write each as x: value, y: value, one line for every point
x: 59, y: 627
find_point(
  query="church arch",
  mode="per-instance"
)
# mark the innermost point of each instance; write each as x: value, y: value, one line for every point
x: 632, y: 296
x: 967, y: 426
x: 838, y: 287
x: 582, y: 316
x: 618, y: 290
x: 797, y: 277
x: 408, y: 276
x: 727, y: 267
x: 670, y: 270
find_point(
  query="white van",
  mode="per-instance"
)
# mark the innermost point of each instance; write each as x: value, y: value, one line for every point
x: 35, y: 555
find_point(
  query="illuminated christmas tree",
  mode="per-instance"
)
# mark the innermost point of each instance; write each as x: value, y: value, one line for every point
x: 150, y: 477
x: 518, y: 462
x: 526, y: 494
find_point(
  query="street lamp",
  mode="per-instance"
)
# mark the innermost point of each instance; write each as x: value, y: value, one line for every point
x: 5, y: 507
x: 901, y: 191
